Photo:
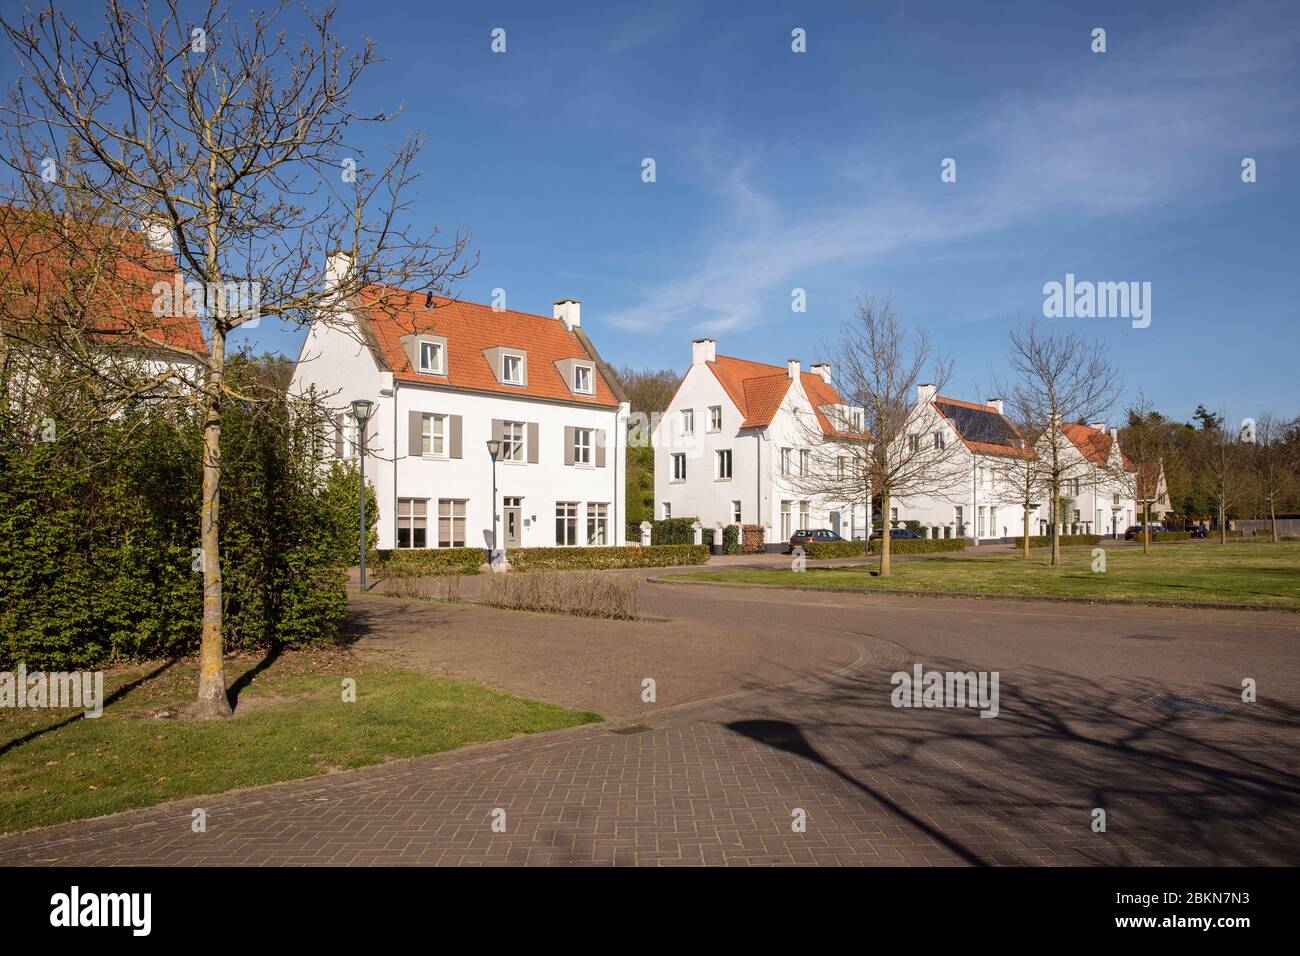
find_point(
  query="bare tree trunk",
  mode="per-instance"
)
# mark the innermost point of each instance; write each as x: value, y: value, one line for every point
x: 1272, y: 519
x: 1146, y: 527
x: 1223, y: 527
x: 213, y: 701
x: 884, y: 535
x: 1025, y: 540
x: 1056, y: 523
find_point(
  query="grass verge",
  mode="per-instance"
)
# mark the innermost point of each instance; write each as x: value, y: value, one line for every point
x: 290, y: 722
x: 1200, y: 573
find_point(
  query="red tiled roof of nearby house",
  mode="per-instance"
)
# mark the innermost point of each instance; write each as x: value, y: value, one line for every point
x: 1093, y: 444
x: 982, y: 428
x: 43, y: 265
x: 758, y: 389
x: 470, y: 328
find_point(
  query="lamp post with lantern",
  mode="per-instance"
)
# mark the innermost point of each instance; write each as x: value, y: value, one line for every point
x: 361, y: 411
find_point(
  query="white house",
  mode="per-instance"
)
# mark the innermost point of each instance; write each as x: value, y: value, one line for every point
x: 1105, y: 489
x: 976, y: 493
x: 447, y: 376
x: 732, y: 443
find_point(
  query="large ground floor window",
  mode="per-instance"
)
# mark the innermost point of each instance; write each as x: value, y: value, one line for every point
x: 597, y: 523
x: 412, y: 522
x: 566, y: 522
x: 451, y: 522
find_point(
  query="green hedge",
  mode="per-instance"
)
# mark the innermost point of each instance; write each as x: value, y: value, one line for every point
x: 731, y: 539
x: 1045, y: 541
x: 834, y: 549
x: 920, y: 545
x: 1169, y: 535
x: 599, y: 559
x: 671, y: 531
x: 469, y: 560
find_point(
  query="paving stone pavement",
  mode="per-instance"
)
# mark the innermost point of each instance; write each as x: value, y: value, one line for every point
x: 722, y: 780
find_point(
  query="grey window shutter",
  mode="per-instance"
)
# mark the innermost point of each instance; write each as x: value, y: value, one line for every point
x: 568, y: 444
x: 415, y: 434
x: 600, y: 447
x: 498, y: 429
x: 454, y: 437
x: 338, y: 436
x: 532, y: 443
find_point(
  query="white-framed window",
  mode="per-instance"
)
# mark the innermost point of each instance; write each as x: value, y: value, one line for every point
x: 913, y: 443
x: 805, y: 519
x: 857, y: 421
x: 582, y: 446
x: 724, y: 464
x: 432, y: 358
x: 715, y: 418
x: 433, y: 435
x: 412, y: 522
x: 785, y: 460
x: 958, y: 517
x: 667, y: 510
x: 679, y: 466
x: 688, y: 421
x: 786, y: 530
x: 993, y: 521
x: 566, y: 522
x: 597, y: 523
x: 939, y: 441
x: 512, y: 441
x: 735, y: 512
x: 451, y: 522
x: 352, y: 436
x: 512, y: 369
x: 1115, y: 500
x: 980, y: 522
x: 893, y: 516
x: 582, y: 380
x: 805, y: 462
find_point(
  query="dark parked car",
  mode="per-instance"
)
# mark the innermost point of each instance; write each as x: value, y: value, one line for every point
x: 896, y: 534
x: 1135, y: 531
x: 805, y: 537
x: 1197, y: 531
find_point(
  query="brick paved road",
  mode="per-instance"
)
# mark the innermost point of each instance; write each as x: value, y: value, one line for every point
x: 717, y: 781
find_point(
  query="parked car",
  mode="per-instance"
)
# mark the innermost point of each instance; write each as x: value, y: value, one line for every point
x: 896, y: 534
x: 808, y: 536
x: 1197, y: 531
x: 1135, y: 531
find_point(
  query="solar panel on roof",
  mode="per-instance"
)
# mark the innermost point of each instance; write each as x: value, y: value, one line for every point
x: 976, y: 424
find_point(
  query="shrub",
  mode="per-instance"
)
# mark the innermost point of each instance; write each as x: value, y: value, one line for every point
x: 584, y: 595
x: 835, y: 549
x: 731, y: 539
x: 597, y: 559
x: 920, y: 545
x: 1169, y: 535
x: 751, y: 539
x: 407, y: 561
x: 1045, y: 541
x: 672, y: 531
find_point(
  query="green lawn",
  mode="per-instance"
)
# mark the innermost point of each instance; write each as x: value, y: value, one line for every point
x: 290, y: 722
x: 1261, y: 574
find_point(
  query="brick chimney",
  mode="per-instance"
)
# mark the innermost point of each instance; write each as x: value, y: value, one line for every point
x: 822, y: 369
x: 792, y: 368
x: 569, y: 311
x: 704, y: 350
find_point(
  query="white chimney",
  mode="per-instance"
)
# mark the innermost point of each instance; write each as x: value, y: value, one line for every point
x: 338, y: 267
x: 704, y: 350
x: 158, y: 234
x: 996, y: 403
x: 822, y: 369
x: 569, y: 311
x: 1114, y: 434
x: 925, y: 393
x: 1097, y: 426
x: 792, y: 368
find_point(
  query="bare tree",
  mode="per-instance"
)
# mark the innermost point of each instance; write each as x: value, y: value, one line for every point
x: 1273, y: 463
x: 876, y: 441
x: 1023, y: 473
x: 1139, y: 467
x: 1223, y: 469
x: 232, y: 145
x: 1059, y: 377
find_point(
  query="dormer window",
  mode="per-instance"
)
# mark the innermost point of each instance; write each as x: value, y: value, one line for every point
x: 512, y: 369
x: 433, y: 358
x: 582, y: 381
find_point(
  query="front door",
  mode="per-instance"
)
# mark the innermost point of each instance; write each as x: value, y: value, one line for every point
x: 512, y: 519
x: 835, y: 522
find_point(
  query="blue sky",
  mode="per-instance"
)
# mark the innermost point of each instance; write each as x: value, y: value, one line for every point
x: 820, y: 170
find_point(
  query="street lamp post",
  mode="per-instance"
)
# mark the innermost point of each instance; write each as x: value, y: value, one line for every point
x: 361, y: 409
x: 494, y: 449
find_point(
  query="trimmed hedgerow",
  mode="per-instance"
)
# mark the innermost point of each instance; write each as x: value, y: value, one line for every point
x: 834, y: 549
x: 920, y: 545
x: 404, y: 561
x: 731, y: 539
x: 1045, y: 541
x: 1169, y: 535
x: 600, y: 559
x: 672, y: 531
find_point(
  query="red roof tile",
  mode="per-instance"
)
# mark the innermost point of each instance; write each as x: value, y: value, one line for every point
x: 1093, y: 444
x: 758, y: 389
x: 387, y: 314
x: 41, y: 264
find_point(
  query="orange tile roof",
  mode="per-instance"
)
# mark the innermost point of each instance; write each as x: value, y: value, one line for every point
x: 1022, y: 450
x: 1094, y: 444
x: 387, y: 314
x: 41, y: 262
x: 758, y: 389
